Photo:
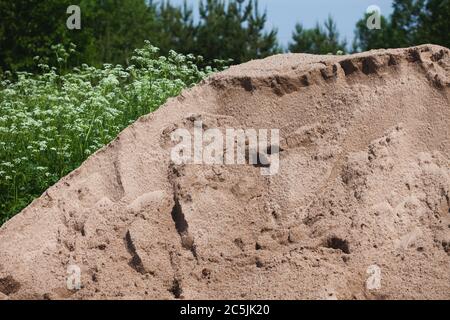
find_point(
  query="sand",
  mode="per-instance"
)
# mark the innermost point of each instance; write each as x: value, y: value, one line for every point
x: 358, y: 210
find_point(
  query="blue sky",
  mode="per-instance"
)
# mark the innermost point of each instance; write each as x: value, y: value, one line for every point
x: 283, y: 14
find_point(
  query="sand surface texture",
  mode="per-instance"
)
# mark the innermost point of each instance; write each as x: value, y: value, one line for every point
x: 358, y: 210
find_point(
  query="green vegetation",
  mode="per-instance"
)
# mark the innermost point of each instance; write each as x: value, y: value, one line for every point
x: 411, y: 23
x: 111, y: 30
x: 51, y: 122
x: 234, y: 31
x: 317, y: 40
x: 223, y: 29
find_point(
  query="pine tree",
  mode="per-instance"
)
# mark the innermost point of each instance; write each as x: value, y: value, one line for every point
x: 174, y: 28
x: 233, y: 30
x: 113, y: 28
x: 412, y: 22
x: 110, y: 30
x: 29, y: 28
x: 367, y: 39
x: 318, y: 40
x: 435, y: 23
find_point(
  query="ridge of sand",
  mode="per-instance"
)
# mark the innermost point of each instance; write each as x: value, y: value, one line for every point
x: 364, y: 181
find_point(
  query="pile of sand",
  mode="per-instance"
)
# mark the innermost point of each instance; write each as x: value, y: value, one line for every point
x: 358, y: 210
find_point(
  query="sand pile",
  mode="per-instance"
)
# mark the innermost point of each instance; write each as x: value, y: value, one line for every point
x: 358, y: 210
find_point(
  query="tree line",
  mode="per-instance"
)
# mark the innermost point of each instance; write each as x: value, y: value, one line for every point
x: 234, y: 29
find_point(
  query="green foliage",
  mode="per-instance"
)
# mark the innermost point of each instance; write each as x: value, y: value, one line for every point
x: 51, y: 122
x: 174, y: 28
x: 412, y: 22
x: 111, y: 29
x: 366, y: 39
x: 318, y: 40
x: 28, y: 29
x: 234, y: 30
x: 435, y: 23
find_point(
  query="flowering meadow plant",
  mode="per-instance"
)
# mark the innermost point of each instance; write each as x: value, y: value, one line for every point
x: 52, y: 121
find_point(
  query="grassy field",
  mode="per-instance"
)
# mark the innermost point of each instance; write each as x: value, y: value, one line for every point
x: 52, y: 121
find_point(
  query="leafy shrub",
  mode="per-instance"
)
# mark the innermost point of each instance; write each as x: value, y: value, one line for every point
x: 51, y: 122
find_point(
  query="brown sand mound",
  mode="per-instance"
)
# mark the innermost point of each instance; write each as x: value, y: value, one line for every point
x: 362, y: 192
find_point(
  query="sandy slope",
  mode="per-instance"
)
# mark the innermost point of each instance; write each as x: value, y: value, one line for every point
x: 364, y: 180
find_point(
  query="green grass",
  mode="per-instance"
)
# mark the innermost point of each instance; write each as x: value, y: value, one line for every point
x: 52, y: 121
